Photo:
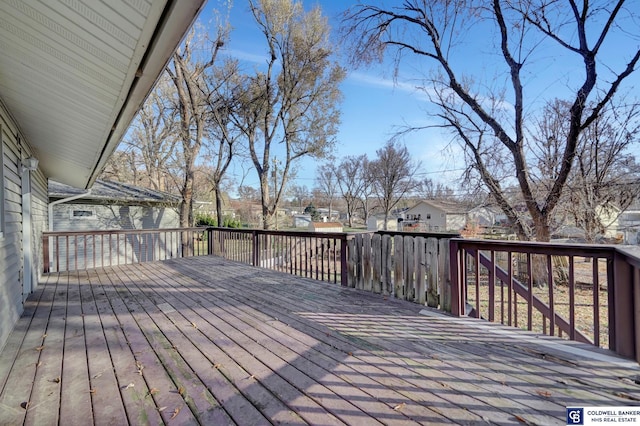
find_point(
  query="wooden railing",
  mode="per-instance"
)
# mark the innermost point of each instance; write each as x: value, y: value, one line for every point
x: 67, y: 251
x: 322, y: 256
x: 588, y: 293
x: 410, y: 266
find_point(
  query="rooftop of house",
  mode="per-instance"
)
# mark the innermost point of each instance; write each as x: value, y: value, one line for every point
x: 112, y: 191
x: 446, y: 206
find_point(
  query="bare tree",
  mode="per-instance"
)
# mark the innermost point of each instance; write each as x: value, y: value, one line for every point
x: 351, y: 176
x: 489, y: 119
x: 122, y: 167
x: 293, y: 102
x: 327, y: 184
x: 300, y: 194
x: 604, y: 181
x: 222, y: 86
x: 148, y: 149
x: 248, y: 193
x: 188, y: 72
x: 435, y: 190
x: 392, y: 176
x: 153, y: 134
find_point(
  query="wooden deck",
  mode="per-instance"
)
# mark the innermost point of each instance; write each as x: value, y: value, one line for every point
x: 208, y: 341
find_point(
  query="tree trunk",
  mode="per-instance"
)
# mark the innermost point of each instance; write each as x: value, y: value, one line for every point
x: 219, y: 219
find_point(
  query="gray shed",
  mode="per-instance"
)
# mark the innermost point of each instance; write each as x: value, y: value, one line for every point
x: 111, y: 205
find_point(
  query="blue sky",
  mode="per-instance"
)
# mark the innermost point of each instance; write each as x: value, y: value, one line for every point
x: 374, y: 105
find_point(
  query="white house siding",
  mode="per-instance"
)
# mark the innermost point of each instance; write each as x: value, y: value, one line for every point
x: 434, y: 218
x: 11, y: 252
x: 109, y: 217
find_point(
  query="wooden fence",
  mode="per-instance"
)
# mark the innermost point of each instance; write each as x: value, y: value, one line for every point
x: 409, y: 266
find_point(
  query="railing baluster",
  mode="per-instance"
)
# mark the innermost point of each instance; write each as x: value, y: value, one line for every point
x: 596, y: 302
x: 510, y: 285
x: 491, y: 273
x: 530, y: 284
x: 552, y: 312
x: 572, y: 300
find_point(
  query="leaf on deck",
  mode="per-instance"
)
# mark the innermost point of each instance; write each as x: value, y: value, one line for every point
x: 130, y: 385
x: 175, y: 413
x: 400, y: 406
x: 39, y: 348
x: 544, y: 393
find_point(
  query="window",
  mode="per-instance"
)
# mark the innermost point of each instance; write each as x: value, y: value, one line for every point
x: 83, y: 214
x: 428, y: 216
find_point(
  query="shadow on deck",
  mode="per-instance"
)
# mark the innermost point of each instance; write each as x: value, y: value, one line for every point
x: 209, y: 341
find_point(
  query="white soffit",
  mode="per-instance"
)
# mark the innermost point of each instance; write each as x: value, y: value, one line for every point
x: 73, y: 73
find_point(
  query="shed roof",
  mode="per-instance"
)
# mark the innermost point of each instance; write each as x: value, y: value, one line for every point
x: 113, y: 192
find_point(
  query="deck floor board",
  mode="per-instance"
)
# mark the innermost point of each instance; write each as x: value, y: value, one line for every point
x: 208, y: 341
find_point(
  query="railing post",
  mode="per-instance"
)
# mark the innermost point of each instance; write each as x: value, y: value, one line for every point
x: 457, y: 304
x: 256, y: 248
x: 344, y: 267
x: 45, y: 254
x: 622, y: 322
x: 209, y: 241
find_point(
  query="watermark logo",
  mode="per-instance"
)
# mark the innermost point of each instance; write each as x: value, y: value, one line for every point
x: 575, y: 416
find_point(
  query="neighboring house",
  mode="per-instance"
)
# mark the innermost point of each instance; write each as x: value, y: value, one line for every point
x: 486, y: 216
x: 434, y: 216
x: 73, y: 75
x: 629, y: 224
x: 615, y: 227
x: 376, y: 223
x: 324, y: 214
x: 325, y: 227
x: 301, y: 221
x: 111, y: 205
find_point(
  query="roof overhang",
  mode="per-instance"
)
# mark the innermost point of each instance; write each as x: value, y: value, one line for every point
x: 73, y: 74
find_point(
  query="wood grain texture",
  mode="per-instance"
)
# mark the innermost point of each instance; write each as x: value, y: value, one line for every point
x: 204, y: 340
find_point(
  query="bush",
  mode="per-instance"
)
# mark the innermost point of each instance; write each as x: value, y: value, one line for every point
x: 229, y: 222
x: 204, y: 219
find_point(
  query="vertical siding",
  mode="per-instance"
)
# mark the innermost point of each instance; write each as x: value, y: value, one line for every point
x: 11, y: 243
